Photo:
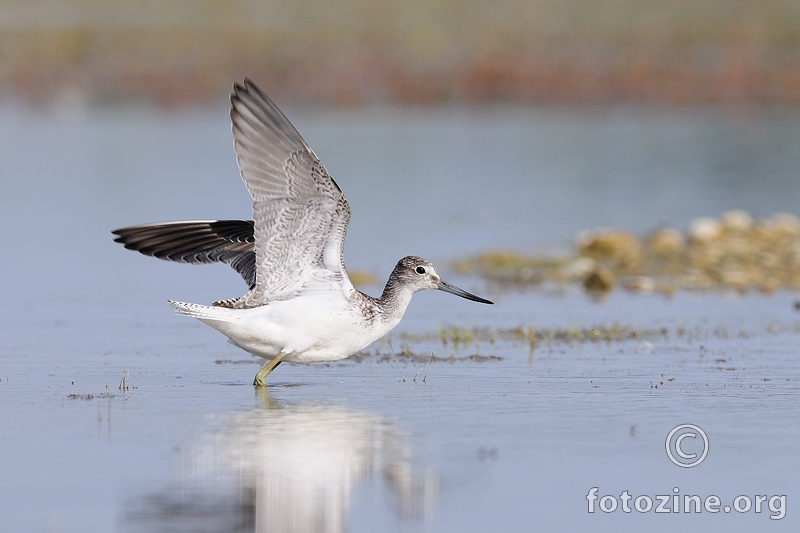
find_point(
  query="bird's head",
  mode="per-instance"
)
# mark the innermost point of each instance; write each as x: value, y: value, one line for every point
x: 418, y: 274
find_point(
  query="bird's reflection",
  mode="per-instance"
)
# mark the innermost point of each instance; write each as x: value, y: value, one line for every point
x: 286, y: 468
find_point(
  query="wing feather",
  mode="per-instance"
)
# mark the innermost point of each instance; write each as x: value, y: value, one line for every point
x: 198, y: 242
x: 300, y: 215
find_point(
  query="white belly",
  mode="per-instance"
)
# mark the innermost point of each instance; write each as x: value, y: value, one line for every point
x: 305, y: 329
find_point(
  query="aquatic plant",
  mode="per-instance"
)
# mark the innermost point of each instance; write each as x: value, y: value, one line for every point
x: 733, y: 252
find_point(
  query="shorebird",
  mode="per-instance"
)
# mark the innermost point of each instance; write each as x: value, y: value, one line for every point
x: 301, y: 306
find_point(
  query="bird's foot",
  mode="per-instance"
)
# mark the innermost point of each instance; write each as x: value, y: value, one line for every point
x: 261, y: 378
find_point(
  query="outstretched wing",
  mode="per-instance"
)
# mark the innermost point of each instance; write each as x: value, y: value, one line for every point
x: 198, y: 241
x: 300, y: 214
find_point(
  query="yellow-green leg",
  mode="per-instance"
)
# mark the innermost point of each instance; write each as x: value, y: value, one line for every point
x: 261, y: 377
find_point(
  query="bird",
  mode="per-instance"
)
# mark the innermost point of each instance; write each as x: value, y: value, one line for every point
x: 301, y: 306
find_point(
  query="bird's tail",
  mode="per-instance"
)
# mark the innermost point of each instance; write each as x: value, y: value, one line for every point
x: 201, y: 312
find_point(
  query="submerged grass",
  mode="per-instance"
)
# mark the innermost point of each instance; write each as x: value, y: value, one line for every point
x: 460, y: 337
x: 90, y: 396
x: 457, y: 340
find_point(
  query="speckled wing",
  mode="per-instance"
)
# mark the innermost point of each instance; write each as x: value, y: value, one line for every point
x: 300, y: 214
x: 198, y: 242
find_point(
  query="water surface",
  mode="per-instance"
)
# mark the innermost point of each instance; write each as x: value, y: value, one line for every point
x: 512, y: 442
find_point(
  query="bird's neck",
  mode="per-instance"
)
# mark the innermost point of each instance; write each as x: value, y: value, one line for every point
x: 395, y: 299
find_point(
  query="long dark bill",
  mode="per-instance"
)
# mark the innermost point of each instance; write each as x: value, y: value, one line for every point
x: 452, y: 289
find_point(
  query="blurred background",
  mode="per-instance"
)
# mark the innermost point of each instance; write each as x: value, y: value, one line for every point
x: 487, y: 137
x: 184, y: 52
x: 499, y: 125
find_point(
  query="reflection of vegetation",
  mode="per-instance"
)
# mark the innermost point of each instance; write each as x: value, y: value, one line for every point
x: 734, y: 252
x: 357, y: 50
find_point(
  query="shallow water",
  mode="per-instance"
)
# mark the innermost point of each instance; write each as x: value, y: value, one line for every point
x: 512, y: 444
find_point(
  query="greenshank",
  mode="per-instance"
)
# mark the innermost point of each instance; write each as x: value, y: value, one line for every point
x: 301, y: 306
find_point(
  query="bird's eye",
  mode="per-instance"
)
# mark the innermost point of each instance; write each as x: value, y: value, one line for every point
x: 420, y: 270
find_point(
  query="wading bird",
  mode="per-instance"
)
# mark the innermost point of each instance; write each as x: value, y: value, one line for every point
x: 301, y: 306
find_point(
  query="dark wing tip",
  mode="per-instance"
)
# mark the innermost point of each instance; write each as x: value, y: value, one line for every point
x: 249, y: 95
x: 198, y: 242
x: 120, y: 235
x: 246, y: 87
x: 236, y: 95
x: 238, y: 88
x: 252, y: 88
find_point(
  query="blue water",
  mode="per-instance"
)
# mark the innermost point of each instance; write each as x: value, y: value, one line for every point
x: 513, y: 444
